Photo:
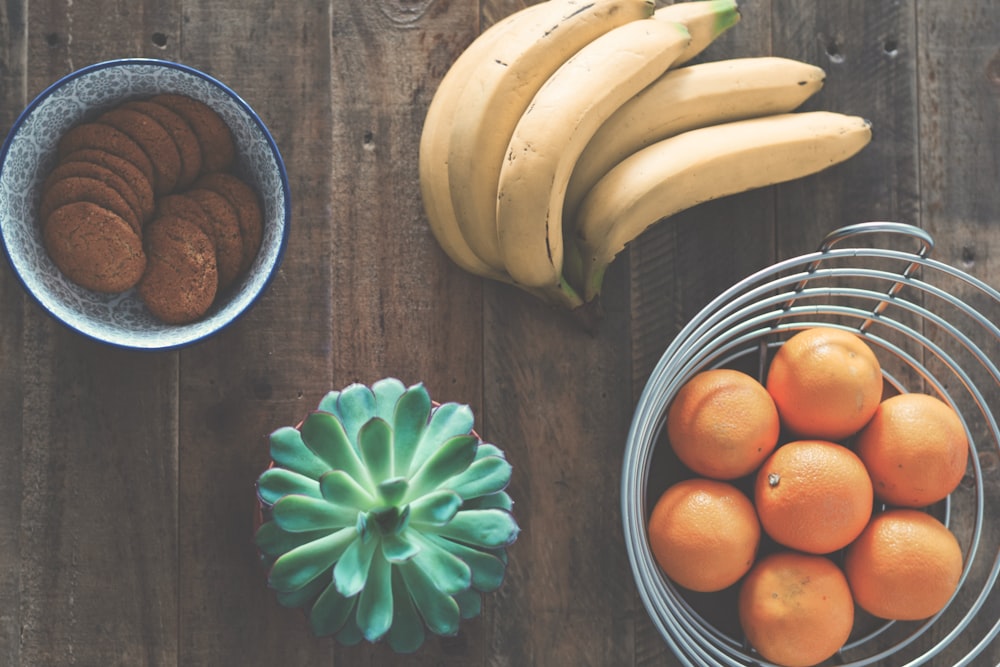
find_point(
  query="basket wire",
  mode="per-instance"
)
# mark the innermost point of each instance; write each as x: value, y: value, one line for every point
x: 927, y: 337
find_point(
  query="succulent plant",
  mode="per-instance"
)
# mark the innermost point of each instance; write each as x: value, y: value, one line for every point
x: 384, y: 514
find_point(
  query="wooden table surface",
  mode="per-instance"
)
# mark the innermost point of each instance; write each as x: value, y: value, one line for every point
x: 127, y: 479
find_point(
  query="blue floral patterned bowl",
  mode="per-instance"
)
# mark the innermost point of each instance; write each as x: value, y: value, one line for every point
x: 29, y: 152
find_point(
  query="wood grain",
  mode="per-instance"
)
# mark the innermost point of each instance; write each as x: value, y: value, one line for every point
x: 13, y: 87
x: 128, y: 478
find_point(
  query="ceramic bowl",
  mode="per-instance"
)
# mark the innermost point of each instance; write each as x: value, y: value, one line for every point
x: 29, y: 153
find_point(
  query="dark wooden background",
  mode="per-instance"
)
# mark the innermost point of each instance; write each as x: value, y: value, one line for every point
x: 126, y: 479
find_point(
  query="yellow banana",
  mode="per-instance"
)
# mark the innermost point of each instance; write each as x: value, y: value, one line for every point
x: 554, y: 130
x: 688, y: 98
x: 498, y: 91
x: 433, y: 153
x: 704, y: 19
x: 703, y: 164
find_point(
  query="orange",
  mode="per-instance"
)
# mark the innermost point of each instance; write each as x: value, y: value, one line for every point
x: 704, y: 534
x: 826, y: 383
x: 905, y: 566
x: 722, y: 424
x: 915, y: 449
x: 796, y: 609
x: 813, y: 495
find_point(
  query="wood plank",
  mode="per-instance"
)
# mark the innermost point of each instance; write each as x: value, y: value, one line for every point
x: 400, y: 307
x: 558, y: 402
x: 959, y: 80
x: 867, y: 50
x: 13, y: 91
x: 271, y: 366
x: 98, y: 466
x: 680, y: 264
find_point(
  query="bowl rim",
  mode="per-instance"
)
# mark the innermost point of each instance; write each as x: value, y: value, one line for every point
x: 286, y: 212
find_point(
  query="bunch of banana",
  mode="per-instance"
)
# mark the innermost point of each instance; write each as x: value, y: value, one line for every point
x: 564, y: 131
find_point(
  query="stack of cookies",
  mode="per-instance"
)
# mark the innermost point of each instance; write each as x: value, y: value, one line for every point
x: 145, y: 196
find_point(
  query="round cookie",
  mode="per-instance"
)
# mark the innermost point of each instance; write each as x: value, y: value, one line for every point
x: 128, y: 172
x: 106, y: 138
x: 94, y: 248
x: 218, y: 151
x: 181, y: 132
x: 181, y: 280
x: 111, y: 179
x: 244, y: 200
x: 155, y: 142
x: 81, y: 188
x: 225, y: 230
x: 179, y: 205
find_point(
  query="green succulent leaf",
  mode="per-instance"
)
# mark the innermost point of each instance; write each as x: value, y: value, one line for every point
x: 304, y: 563
x: 453, y: 456
x: 488, y: 449
x: 324, y: 434
x: 393, y: 490
x: 407, y: 632
x: 304, y: 595
x: 277, y: 482
x: 289, y: 451
x: 329, y: 402
x: 412, y: 413
x: 447, y: 421
x: 487, y: 569
x: 446, y: 571
x: 375, y: 602
x: 341, y: 489
x: 298, y: 514
x: 351, y: 571
x: 470, y: 603
x: 330, y: 611
x: 387, y: 392
x: 398, y: 547
x: 488, y: 528
x: 274, y: 541
x: 485, y: 476
x: 499, y: 501
x: 356, y: 406
x: 435, y: 508
x: 390, y: 520
x: 375, y: 445
x: 438, y: 609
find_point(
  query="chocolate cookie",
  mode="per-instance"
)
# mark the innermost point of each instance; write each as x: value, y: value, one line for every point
x: 106, y: 138
x: 248, y: 208
x: 94, y: 248
x: 86, y: 169
x: 224, y: 228
x: 155, y: 142
x: 82, y: 189
x: 181, y: 279
x: 181, y: 132
x: 140, y: 184
x: 217, y: 147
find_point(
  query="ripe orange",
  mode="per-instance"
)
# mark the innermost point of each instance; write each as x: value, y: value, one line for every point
x: 905, y: 566
x: 813, y: 495
x: 796, y: 609
x: 826, y: 383
x: 704, y: 534
x: 722, y: 424
x: 915, y: 449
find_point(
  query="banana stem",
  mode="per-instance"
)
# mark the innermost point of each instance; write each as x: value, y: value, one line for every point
x: 593, y: 280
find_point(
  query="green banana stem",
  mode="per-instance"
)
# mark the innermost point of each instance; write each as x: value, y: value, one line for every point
x: 593, y: 280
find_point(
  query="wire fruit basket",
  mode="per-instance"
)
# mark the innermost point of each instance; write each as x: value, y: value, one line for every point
x: 931, y: 327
